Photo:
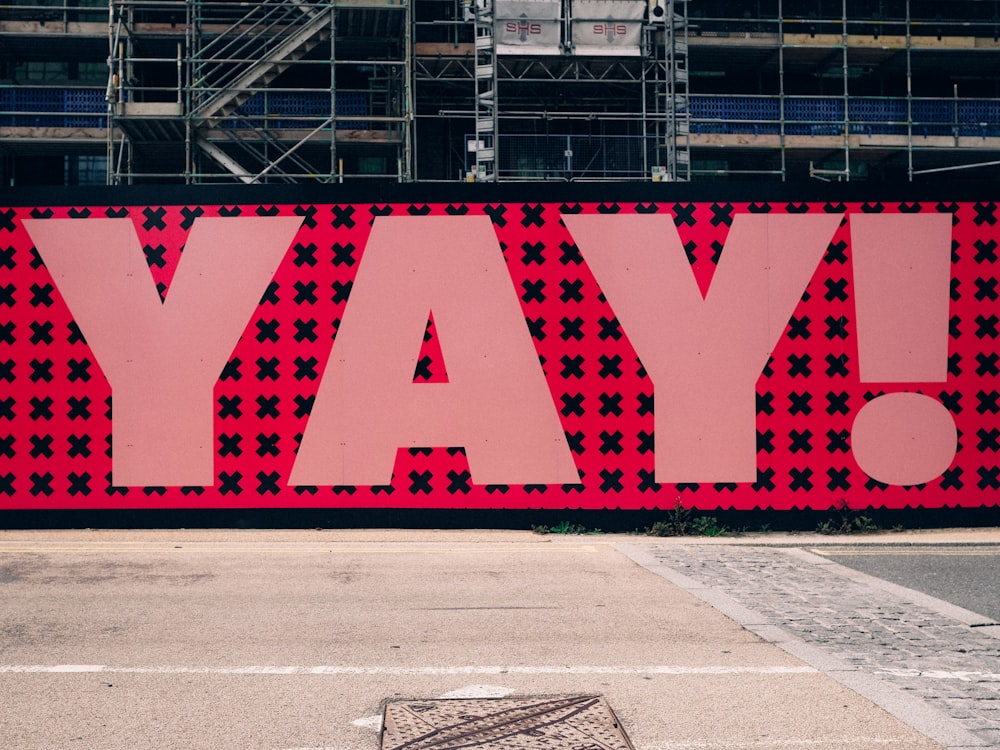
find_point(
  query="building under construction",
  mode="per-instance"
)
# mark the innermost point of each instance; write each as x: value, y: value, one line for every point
x: 204, y: 91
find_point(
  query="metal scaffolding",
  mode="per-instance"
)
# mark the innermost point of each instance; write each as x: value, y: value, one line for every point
x: 209, y: 91
x: 276, y: 91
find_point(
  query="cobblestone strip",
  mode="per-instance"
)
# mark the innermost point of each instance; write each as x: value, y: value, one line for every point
x: 892, y: 645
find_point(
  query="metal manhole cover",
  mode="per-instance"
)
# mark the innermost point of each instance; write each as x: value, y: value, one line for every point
x: 579, y: 722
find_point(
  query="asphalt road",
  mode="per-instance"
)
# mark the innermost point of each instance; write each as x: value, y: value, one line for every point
x: 967, y: 577
x: 294, y: 640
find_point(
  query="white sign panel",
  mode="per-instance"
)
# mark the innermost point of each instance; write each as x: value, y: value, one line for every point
x: 528, y: 27
x: 607, y: 27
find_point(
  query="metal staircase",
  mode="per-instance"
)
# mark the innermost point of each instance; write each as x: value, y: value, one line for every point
x: 673, y: 98
x: 486, y: 97
x: 251, y: 53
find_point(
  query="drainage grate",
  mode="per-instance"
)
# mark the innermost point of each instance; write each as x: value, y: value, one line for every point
x: 579, y: 722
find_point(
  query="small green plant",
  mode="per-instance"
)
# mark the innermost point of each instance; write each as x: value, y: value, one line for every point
x: 565, y: 527
x: 846, y: 520
x: 707, y: 526
x: 678, y: 522
x: 681, y: 522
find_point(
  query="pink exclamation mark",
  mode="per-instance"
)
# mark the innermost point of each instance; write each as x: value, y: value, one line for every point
x: 902, y: 272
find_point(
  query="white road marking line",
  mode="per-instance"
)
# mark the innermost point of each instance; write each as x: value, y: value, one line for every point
x: 424, y: 670
x: 765, y: 744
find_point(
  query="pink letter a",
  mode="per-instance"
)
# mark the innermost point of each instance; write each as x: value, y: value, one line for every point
x: 496, y: 402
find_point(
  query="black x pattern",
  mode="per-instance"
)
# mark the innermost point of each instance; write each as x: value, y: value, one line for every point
x: 41, y: 484
x: 988, y: 441
x: 420, y: 482
x: 722, y: 213
x: 536, y: 327
x: 985, y: 214
x: 610, y: 366
x: 79, y: 370
x: 575, y: 442
x: 836, y: 328
x: 572, y: 366
x: 343, y: 216
x: 799, y: 365
x: 988, y: 402
x: 341, y: 291
x: 987, y: 326
x: 304, y: 405
x: 190, y: 214
x: 836, y: 366
x: 838, y: 478
x: 571, y: 328
x: 267, y: 369
x: 837, y: 441
x: 570, y: 254
x: 532, y: 215
x: 989, y: 478
x: 229, y: 445
x: 305, y: 255
x: 533, y: 253
x: 41, y: 295
x: 154, y: 255
x: 986, y: 289
x: 571, y: 290
x: 611, y: 442
x: 611, y: 480
x: 645, y: 404
x: 800, y: 441
x: 41, y: 332
x: 799, y: 327
x: 267, y: 406
x: 986, y: 251
x: 306, y: 368
x: 572, y: 404
x: 646, y: 442
x: 533, y: 290
x: 230, y: 407
x: 268, y: 482
x: 267, y: 330
x: 305, y: 292
x: 765, y: 441
x: 951, y: 479
x: 835, y: 289
x: 79, y: 445
x: 799, y: 403
x: 610, y: 404
x: 41, y: 446
x: 154, y: 218
x: 459, y: 481
x: 987, y: 363
x: 230, y: 483
x: 683, y: 214
x: 765, y: 480
x: 801, y: 479
x: 647, y: 481
x: 79, y: 484
x: 343, y: 255
x: 41, y: 408
x: 496, y: 214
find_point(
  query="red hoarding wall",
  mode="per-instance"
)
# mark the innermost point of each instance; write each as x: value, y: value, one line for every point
x: 787, y: 343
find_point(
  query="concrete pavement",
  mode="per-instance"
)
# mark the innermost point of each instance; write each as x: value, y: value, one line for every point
x: 293, y: 639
